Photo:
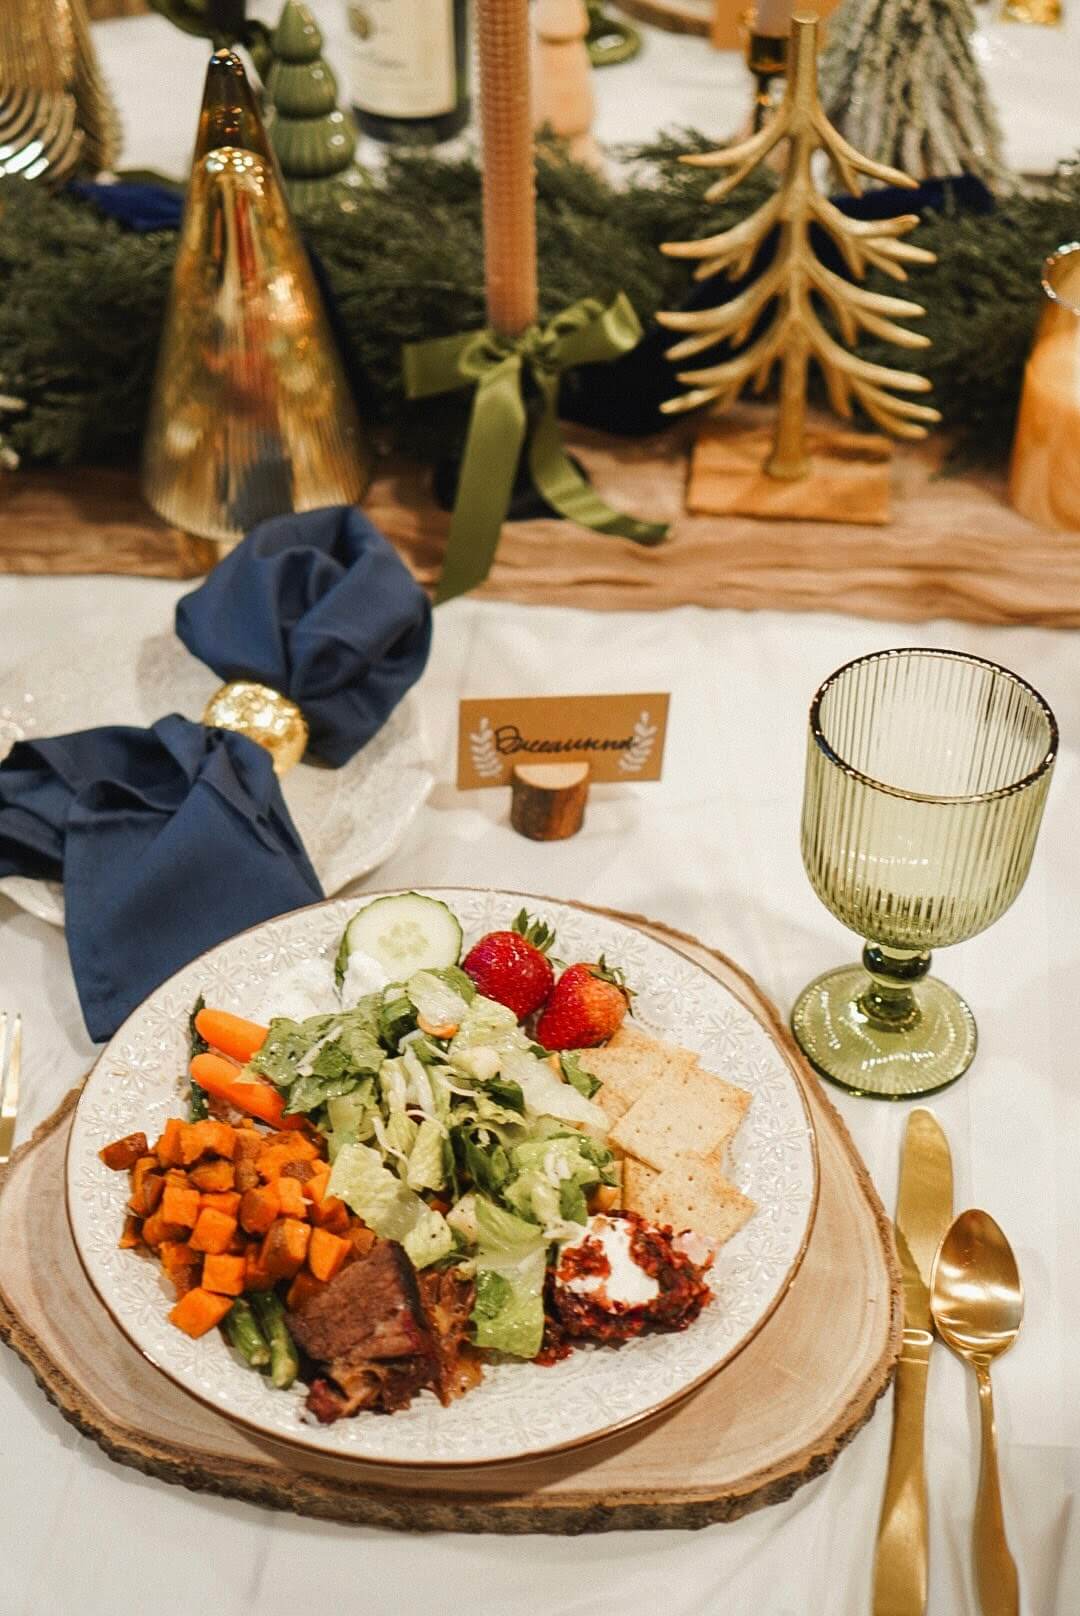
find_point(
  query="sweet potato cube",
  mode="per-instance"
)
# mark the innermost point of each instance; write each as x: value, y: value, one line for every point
x: 176, y: 1254
x: 144, y: 1171
x: 296, y: 1144
x: 331, y: 1214
x: 285, y: 1247
x: 199, y: 1311
x: 256, y: 1277
x: 124, y: 1153
x: 208, y: 1138
x: 302, y: 1289
x: 282, y: 1149
x: 213, y: 1175
x: 213, y: 1230
x: 291, y: 1198
x: 326, y: 1253
x: 315, y: 1186
x: 361, y: 1238
x: 131, y: 1236
x: 227, y: 1201
x: 180, y: 1205
x: 167, y: 1149
x: 157, y: 1229
x: 223, y: 1274
x: 258, y: 1208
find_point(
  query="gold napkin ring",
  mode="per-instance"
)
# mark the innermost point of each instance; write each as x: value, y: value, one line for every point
x: 263, y: 715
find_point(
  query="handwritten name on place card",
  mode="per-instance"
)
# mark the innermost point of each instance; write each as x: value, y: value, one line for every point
x: 620, y: 737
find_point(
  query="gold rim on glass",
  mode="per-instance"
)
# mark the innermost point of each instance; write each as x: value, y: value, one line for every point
x: 945, y: 655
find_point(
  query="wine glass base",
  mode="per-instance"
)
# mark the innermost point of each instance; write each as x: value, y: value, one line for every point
x: 844, y: 1045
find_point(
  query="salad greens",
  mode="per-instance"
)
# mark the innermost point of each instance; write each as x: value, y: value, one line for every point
x: 451, y: 1132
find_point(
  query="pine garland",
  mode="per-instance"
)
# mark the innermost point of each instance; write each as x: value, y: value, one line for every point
x: 82, y: 298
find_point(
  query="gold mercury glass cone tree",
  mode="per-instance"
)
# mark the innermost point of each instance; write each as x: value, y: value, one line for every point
x: 796, y: 282
x: 57, y: 118
x: 251, y: 414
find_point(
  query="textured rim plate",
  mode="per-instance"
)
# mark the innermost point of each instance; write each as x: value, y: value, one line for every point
x: 520, y: 1410
x: 349, y: 819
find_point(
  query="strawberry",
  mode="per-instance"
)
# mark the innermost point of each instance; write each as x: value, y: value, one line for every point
x: 512, y: 966
x: 586, y: 1007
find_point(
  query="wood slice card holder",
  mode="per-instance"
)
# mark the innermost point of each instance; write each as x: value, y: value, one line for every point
x: 547, y: 800
x: 775, y: 1417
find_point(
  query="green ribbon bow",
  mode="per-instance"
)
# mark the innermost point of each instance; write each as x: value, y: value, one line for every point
x: 581, y: 335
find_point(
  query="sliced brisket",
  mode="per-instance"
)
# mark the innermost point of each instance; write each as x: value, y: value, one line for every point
x: 378, y: 1338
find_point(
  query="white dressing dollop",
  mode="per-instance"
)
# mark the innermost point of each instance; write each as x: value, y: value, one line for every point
x: 627, y: 1284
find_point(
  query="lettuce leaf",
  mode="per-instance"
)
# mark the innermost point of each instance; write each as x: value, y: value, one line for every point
x: 509, y: 1315
x: 486, y: 1022
x: 547, y: 1095
x: 426, y: 1168
x: 435, y: 1000
x: 388, y: 1206
x: 576, y: 1075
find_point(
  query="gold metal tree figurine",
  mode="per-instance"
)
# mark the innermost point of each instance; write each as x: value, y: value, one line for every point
x: 796, y: 284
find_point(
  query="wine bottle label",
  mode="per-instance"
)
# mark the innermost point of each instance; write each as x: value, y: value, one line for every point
x: 402, y: 57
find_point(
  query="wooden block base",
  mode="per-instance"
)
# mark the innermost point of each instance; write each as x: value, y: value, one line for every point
x: 849, y: 479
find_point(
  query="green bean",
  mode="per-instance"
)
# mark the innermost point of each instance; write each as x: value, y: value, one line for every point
x: 284, y: 1359
x: 242, y: 1329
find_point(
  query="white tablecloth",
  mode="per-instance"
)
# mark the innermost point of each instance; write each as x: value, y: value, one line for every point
x: 713, y: 849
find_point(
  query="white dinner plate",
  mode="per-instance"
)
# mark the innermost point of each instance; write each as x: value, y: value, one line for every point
x: 520, y: 1409
x: 349, y: 819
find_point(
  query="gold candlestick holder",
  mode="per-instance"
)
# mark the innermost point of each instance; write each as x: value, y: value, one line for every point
x: 1041, y: 13
x: 767, y: 58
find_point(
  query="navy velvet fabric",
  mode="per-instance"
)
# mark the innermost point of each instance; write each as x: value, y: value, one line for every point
x: 320, y: 608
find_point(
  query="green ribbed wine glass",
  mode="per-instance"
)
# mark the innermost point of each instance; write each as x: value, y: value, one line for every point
x: 926, y: 778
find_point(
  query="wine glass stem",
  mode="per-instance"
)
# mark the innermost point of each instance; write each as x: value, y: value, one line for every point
x: 888, y: 1001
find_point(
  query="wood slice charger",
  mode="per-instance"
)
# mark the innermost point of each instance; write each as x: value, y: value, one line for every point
x: 776, y: 1416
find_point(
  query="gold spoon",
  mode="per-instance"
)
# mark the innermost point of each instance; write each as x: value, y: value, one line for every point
x: 977, y: 1303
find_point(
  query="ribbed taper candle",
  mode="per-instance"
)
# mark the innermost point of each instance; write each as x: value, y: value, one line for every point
x: 502, y: 28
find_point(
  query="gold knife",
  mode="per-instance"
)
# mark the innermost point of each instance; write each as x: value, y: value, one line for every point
x: 923, y: 1213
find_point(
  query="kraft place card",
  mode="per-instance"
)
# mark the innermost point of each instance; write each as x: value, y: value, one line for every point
x: 621, y: 737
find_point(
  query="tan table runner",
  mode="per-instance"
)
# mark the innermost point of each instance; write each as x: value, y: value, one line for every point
x: 954, y: 548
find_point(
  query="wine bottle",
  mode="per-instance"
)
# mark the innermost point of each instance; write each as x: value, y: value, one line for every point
x: 408, y: 68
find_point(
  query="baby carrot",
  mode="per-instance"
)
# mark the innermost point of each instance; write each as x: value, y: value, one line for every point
x: 224, y: 1081
x: 231, y: 1035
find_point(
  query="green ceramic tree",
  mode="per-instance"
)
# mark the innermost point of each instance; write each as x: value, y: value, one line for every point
x: 314, y: 140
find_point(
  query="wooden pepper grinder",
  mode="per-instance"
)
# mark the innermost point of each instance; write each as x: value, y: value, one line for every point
x: 562, y: 76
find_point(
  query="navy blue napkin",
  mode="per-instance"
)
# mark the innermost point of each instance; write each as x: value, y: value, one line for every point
x: 320, y: 608
x: 168, y: 840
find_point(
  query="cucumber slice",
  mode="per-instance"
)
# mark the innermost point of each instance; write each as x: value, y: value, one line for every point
x: 406, y: 933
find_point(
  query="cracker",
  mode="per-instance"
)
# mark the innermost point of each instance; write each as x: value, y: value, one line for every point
x: 692, y: 1193
x: 637, y: 1182
x: 628, y: 1065
x: 688, y: 1111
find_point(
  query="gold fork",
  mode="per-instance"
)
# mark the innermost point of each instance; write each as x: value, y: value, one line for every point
x: 10, y: 1062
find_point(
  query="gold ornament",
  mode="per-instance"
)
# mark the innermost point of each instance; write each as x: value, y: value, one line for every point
x: 56, y: 116
x: 263, y: 715
x: 251, y: 414
x: 796, y: 277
